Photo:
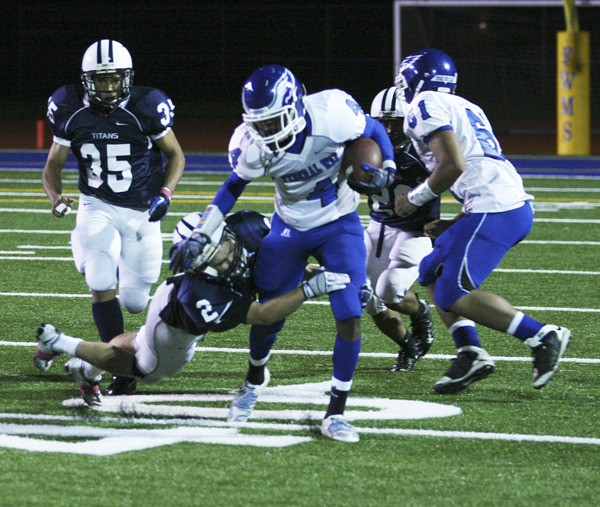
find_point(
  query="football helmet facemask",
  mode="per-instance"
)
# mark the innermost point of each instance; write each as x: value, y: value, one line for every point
x: 237, y: 267
x: 107, y: 59
x: 274, y: 110
x: 426, y: 69
x: 389, y: 108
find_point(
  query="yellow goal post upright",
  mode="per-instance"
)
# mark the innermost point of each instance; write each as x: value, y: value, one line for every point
x: 573, y: 109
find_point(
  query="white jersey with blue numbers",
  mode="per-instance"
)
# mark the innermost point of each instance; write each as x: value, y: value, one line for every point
x: 308, y: 191
x: 490, y: 183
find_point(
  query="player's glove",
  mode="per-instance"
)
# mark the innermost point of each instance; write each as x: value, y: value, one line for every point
x: 159, y: 206
x: 184, y: 253
x: 324, y: 282
x: 366, y: 293
x: 380, y: 178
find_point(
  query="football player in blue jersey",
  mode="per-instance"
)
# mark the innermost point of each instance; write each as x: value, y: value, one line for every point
x: 216, y: 296
x: 395, y: 245
x: 455, y: 141
x: 118, y: 133
x: 298, y: 140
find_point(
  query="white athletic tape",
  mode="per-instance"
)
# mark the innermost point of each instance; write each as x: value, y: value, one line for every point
x: 63, y: 209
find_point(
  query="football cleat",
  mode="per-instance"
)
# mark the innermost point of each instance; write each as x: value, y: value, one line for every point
x: 548, y: 346
x: 470, y: 365
x: 423, y: 330
x: 47, y: 334
x: 120, y: 386
x: 405, y: 362
x: 245, y: 399
x: 89, y: 388
x: 337, y: 428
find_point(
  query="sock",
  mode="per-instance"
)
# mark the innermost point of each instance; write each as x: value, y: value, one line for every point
x: 345, y: 357
x: 90, y: 371
x: 464, y: 334
x: 256, y: 370
x: 422, y: 309
x: 337, y: 402
x: 66, y: 344
x: 523, y: 326
x: 109, y: 319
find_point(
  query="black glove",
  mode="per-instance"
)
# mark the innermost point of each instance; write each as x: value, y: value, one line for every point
x: 159, y: 206
x: 184, y: 253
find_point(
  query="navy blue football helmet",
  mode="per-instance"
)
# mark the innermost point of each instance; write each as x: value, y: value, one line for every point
x: 274, y: 111
x: 251, y: 227
x: 426, y: 69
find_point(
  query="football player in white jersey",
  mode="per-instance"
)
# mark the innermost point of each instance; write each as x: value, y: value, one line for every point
x: 455, y: 141
x: 118, y: 133
x: 222, y: 283
x: 298, y: 140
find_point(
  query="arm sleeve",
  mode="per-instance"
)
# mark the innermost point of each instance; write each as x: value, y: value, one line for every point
x: 229, y: 193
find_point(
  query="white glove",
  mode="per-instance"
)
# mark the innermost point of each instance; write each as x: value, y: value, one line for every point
x: 324, y: 282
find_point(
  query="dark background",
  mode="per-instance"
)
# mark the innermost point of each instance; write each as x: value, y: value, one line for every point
x: 201, y: 52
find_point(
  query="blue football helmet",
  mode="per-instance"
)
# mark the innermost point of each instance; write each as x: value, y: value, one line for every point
x: 274, y: 111
x: 426, y: 69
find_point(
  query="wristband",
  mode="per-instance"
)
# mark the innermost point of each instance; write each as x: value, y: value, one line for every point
x: 420, y: 194
x: 167, y: 191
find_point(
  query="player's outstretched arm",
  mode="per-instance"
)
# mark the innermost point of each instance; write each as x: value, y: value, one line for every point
x: 276, y: 309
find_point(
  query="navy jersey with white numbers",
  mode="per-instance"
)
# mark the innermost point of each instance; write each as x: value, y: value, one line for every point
x: 410, y: 173
x: 201, y: 303
x: 117, y: 158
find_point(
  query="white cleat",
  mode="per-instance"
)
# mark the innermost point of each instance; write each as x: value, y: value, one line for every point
x: 336, y: 427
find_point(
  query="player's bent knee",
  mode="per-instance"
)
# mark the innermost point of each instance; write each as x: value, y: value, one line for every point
x: 446, y: 294
x: 134, y: 300
x: 100, y: 273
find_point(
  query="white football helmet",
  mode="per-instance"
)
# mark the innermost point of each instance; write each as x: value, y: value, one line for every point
x: 390, y: 108
x: 274, y: 110
x: 107, y: 57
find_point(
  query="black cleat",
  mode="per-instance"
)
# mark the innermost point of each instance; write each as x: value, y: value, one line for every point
x: 547, y: 353
x: 121, y: 386
x: 405, y: 362
x: 470, y: 365
x: 423, y: 330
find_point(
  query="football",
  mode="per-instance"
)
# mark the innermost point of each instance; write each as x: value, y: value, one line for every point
x: 362, y: 150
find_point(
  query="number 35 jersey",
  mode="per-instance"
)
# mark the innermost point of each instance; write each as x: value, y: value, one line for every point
x: 117, y: 158
x: 490, y: 183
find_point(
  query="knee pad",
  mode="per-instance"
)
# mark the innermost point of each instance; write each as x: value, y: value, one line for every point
x: 134, y: 300
x: 375, y: 306
x: 100, y: 272
x: 394, y: 282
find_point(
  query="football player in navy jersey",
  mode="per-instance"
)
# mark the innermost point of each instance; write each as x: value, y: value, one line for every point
x: 455, y: 141
x: 395, y: 245
x: 298, y: 140
x: 216, y: 296
x: 118, y: 133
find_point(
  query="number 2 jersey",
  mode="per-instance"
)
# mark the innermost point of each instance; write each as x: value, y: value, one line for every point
x: 490, y: 183
x: 117, y: 158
